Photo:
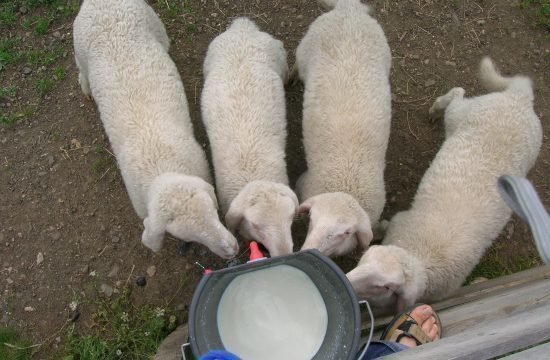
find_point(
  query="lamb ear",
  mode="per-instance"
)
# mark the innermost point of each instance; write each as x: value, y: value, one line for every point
x: 235, y: 214
x: 153, y: 235
x: 364, y: 233
x: 211, y: 192
x: 304, y: 207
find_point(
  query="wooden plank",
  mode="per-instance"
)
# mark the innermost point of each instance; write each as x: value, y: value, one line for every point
x: 487, y: 288
x: 488, y: 340
x: 511, y: 302
x: 475, y: 292
x: 540, y: 352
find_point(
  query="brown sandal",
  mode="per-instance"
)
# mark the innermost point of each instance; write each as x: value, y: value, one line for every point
x: 404, y: 325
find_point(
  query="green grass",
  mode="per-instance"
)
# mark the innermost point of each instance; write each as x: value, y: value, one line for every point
x: 42, y: 25
x: 176, y: 8
x: 43, y: 57
x: 493, y: 265
x: 8, y: 52
x: 44, y: 85
x: 121, y: 331
x: 542, y: 11
x: 59, y: 73
x: 12, y: 347
x: 8, y: 91
x: 9, y: 119
x: 8, y: 15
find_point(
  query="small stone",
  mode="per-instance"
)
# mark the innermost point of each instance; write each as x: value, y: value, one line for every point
x: 427, y: 61
x: 481, y: 22
x: 58, y: 339
x: 115, y: 239
x: 450, y: 63
x: 513, y: 34
x: 415, y: 56
x: 141, y: 281
x: 27, y: 70
x: 56, y: 235
x: 65, y: 53
x: 75, y: 314
x: 151, y: 270
x: 85, y: 269
x: 114, y: 271
x: 51, y: 160
x: 183, y: 247
x: 182, y: 307
x: 10, y: 281
x: 430, y: 82
x: 29, y: 309
x: 39, y: 258
x: 107, y: 290
x: 56, y: 34
x: 510, y: 230
x: 23, y: 10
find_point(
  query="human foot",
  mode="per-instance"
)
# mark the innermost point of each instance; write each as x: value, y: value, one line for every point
x: 417, y: 326
x: 424, y: 317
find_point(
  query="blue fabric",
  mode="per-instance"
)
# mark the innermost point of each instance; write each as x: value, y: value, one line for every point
x: 219, y: 355
x: 378, y: 349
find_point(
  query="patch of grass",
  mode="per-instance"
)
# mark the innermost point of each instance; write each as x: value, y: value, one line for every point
x: 11, y: 118
x: 44, y: 85
x: 42, y: 25
x: 176, y: 8
x: 12, y: 346
x: 8, y: 91
x: 26, y: 24
x: 59, y: 73
x: 8, y: 52
x: 8, y: 15
x: 43, y: 57
x: 493, y: 265
x: 542, y: 11
x: 122, y: 331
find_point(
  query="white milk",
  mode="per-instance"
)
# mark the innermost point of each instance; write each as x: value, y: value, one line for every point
x: 274, y: 313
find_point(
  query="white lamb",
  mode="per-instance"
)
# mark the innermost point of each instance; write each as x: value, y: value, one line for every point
x: 121, y: 52
x: 243, y: 108
x: 344, y: 61
x: 457, y: 212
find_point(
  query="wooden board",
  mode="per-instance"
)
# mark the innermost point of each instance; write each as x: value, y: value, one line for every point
x: 487, y: 340
x: 472, y: 293
x: 540, y: 352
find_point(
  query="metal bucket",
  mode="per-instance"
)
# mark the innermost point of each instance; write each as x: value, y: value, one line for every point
x: 343, y: 329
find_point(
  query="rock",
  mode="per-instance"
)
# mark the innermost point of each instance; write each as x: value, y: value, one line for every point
x: 141, y: 281
x: 106, y: 290
x: 56, y: 235
x: 115, y: 239
x: 39, y: 258
x: 56, y: 34
x: 429, y: 82
x: 183, y: 247
x: 85, y: 270
x: 23, y: 10
x: 9, y: 281
x: 481, y: 22
x: 415, y: 56
x: 51, y: 160
x: 27, y: 70
x: 151, y: 270
x: 75, y: 314
x: 29, y: 309
x: 114, y: 271
x: 450, y: 63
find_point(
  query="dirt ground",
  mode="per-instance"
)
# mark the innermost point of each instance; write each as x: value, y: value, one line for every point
x: 63, y: 199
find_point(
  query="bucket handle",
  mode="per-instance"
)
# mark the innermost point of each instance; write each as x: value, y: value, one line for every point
x: 183, y: 346
x: 366, y: 303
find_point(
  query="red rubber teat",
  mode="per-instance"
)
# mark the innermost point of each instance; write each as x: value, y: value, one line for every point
x: 255, y: 252
x: 207, y: 271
